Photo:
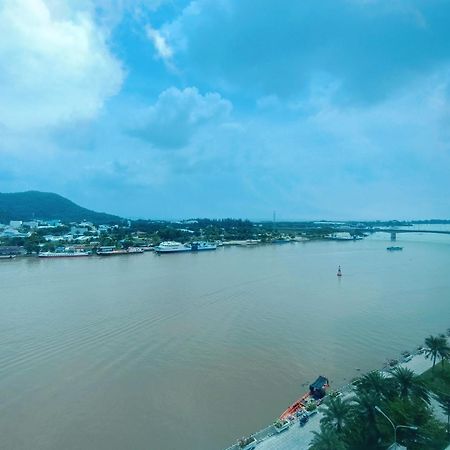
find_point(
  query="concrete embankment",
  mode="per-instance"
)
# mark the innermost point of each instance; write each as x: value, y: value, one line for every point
x: 299, y: 437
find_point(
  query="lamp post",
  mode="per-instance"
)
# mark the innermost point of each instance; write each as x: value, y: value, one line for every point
x: 393, y: 425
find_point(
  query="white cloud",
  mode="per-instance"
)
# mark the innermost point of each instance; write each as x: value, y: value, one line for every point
x: 55, y: 66
x: 178, y: 114
x: 162, y: 48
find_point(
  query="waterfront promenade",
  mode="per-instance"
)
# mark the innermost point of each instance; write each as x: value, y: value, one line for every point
x: 299, y: 438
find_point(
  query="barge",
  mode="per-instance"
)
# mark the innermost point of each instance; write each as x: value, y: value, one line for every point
x: 317, y: 391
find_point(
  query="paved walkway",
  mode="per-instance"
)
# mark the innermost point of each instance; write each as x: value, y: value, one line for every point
x: 419, y: 364
x: 299, y: 438
x: 296, y: 438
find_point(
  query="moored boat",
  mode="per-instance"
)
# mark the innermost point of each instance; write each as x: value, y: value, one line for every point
x: 135, y: 250
x: 172, y: 247
x: 62, y: 254
x: 7, y: 256
x: 317, y: 391
x: 112, y: 251
x: 281, y: 240
x: 202, y: 246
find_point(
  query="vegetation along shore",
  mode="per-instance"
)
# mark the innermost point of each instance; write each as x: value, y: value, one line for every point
x: 404, y: 405
x: 34, y: 222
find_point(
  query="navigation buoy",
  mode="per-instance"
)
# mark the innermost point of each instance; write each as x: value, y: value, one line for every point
x: 339, y: 272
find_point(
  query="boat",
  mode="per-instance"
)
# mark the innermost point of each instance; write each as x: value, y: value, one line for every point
x: 172, y: 247
x: 394, y: 249
x: 62, y: 254
x: 339, y: 272
x: 112, y: 251
x: 281, y: 241
x: 7, y: 256
x: 202, y: 246
x: 135, y: 250
x: 317, y: 391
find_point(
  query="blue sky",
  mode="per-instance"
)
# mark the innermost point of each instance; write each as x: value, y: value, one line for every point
x: 217, y: 108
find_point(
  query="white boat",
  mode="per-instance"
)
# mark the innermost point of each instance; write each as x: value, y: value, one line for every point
x: 201, y: 246
x: 172, y: 247
x: 135, y: 250
x: 62, y: 254
x: 7, y: 256
x: 112, y: 251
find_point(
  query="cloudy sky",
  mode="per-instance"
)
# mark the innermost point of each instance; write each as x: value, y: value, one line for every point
x: 336, y: 109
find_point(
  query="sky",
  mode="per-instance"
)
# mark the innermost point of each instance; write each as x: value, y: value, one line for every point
x: 331, y: 109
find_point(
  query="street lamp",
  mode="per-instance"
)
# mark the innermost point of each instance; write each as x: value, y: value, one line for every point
x: 394, y: 445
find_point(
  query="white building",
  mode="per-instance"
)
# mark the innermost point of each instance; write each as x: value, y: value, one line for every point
x: 15, y: 224
x: 31, y: 224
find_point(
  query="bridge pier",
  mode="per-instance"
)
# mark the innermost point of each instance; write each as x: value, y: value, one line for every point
x: 393, y: 236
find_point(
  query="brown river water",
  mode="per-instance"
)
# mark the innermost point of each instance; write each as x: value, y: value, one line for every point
x: 192, y: 351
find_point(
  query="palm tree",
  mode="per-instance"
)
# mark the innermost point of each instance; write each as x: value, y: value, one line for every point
x: 337, y: 414
x: 436, y: 346
x: 408, y: 385
x: 326, y: 439
x: 444, y: 402
x: 364, y: 409
x: 375, y: 382
x: 443, y: 349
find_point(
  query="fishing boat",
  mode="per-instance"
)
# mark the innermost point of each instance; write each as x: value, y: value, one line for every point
x: 339, y: 272
x: 317, y: 391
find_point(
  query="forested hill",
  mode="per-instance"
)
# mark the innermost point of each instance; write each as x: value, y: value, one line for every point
x: 47, y: 206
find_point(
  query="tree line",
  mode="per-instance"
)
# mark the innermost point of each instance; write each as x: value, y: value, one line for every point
x: 383, y: 408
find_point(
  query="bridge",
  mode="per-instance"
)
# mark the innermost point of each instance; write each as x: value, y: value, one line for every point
x: 394, y: 232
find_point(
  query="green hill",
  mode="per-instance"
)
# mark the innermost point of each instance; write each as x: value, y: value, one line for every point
x: 47, y: 206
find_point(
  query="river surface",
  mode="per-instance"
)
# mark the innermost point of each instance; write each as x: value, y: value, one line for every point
x: 192, y: 351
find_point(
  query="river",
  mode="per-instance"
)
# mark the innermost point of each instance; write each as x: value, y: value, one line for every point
x: 192, y: 351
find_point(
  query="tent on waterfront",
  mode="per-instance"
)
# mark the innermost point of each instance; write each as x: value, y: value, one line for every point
x: 317, y: 389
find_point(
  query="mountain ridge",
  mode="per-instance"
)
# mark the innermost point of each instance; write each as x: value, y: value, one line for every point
x: 33, y: 205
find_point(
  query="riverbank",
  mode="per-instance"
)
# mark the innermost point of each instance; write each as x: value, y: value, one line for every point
x: 299, y: 436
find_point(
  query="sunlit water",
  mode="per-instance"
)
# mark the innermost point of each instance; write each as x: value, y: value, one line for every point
x: 191, y: 351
